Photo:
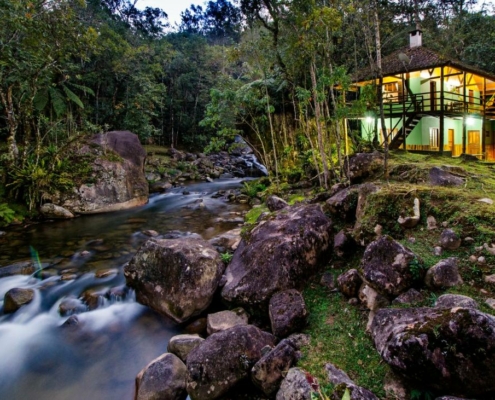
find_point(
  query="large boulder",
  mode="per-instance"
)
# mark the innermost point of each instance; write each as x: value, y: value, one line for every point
x: 162, y: 378
x: 117, y: 179
x: 50, y: 210
x: 280, y: 253
x: 275, y: 203
x: 349, y: 283
x: 176, y: 277
x: 447, y: 350
x: 226, y: 319
x: 362, y: 165
x: 386, y: 268
x: 441, y: 177
x: 224, y: 359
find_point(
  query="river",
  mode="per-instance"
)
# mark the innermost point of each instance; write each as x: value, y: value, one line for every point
x: 99, y: 358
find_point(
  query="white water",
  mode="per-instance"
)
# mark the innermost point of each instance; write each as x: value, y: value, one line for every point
x: 99, y: 357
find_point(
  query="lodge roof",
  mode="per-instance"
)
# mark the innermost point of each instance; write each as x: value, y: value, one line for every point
x: 418, y: 58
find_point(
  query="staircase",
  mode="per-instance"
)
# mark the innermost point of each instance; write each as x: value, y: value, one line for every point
x: 407, y: 127
x: 490, y: 104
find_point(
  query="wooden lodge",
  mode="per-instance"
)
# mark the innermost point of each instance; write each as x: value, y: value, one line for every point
x: 432, y: 103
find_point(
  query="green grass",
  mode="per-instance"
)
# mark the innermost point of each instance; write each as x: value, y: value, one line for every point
x: 338, y: 336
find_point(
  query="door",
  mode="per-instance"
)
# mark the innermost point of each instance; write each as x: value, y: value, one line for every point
x: 474, y: 143
x: 450, y: 145
x: 433, y: 95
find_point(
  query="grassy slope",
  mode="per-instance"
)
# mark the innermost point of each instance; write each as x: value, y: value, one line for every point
x: 338, y: 329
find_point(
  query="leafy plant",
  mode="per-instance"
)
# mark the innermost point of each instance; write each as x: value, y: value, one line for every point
x: 417, y: 268
x: 6, y: 213
x: 417, y: 394
x: 226, y: 257
x: 252, y: 188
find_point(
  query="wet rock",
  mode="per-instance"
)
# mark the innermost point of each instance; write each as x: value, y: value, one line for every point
x: 449, y: 240
x: 71, y: 322
x: 297, y: 385
x: 150, y: 233
x: 223, y: 320
x: 70, y: 306
x: 275, y: 203
x: 412, y: 296
x: 175, y: 277
x: 118, y: 172
x: 268, y: 372
x: 105, y: 273
x: 446, y: 350
x: 18, y: 268
x: 16, y: 298
x: 280, y: 253
x: 349, y: 283
x: 94, y: 298
x: 371, y: 298
x: 343, y: 243
x: 227, y: 241
x: 181, y: 345
x: 288, y: 313
x: 455, y: 300
x: 224, y: 359
x: 49, y: 210
x: 162, y: 378
x: 117, y: 292
x: 342, y: 383
x: 362, y: 165
x: 160, y: 187
x: 386, y: 268
x: 443, y: 274
x: 440, y: 177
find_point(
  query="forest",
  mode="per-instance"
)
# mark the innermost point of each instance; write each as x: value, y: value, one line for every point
x: 276, y: 72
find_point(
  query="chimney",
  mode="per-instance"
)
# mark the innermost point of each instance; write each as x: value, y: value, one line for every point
x: 415, y: 38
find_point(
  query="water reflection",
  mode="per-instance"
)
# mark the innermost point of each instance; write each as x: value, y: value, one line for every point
x: 99, y: 354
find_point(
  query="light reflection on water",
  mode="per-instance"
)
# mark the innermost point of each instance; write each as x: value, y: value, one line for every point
x: 40, y: 358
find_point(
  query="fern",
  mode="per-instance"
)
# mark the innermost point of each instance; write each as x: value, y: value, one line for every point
x: 41, y: 99
x: 6, y: 213
x: 58, y: 101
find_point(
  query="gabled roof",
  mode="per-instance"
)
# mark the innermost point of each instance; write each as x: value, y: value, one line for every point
x: 419, y: 58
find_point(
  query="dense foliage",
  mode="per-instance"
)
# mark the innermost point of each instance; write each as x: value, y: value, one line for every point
x: 270, y: 70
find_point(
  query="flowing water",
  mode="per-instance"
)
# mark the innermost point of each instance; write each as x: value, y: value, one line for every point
x: 100, y: 356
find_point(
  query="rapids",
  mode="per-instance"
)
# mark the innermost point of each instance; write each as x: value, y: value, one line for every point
x: 42, y: 356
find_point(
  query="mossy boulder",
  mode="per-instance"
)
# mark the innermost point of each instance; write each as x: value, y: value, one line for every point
x: 280, y: 253
x: 175, y: 277
x: 446, y: 350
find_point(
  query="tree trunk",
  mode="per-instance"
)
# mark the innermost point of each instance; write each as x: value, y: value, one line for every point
x: 8, y: 106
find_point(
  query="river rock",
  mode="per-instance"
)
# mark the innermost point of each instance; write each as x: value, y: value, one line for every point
x: 385, y: 266
x: 440, y: 177
x: 223, y: 320
x: 343, y: 204
x: 18, y: 268
x: 275, y: 203
x: 349, y: 283
x: 288, y: 313
x: 16, y: 298
x: 455, y: 300
x: 443, y: 274
x: 160, y: 187
x: 227, y: 241
x: 162, y: 378
x: 119, y: 182
x: 447, y: 350
x: 342, y: 382
x: 297, y: 385
x: 371, y: 298
x: 50, y: 210
x: 280, y: 253
x: 224, y: 359
x: 70, y: 306
x: 362, y: 165
x: 181, y: 345
x: 175, y: 277
x: 268, y: 372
